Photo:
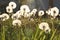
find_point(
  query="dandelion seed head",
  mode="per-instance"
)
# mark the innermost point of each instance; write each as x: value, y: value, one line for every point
x: 41, y: 13
x: 54, y: 12
x: 25, y: 8
x: 13, y: 5
x: 9, y: 9
x: 14, y: 16
x: 6, y: 16
x: 44, y: 26
x: 16, y: 22
x: 48, y: 11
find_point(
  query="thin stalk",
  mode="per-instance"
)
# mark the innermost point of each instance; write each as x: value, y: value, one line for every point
x: 3, y: 33
x: 40, y: 34
x: 53, y: 35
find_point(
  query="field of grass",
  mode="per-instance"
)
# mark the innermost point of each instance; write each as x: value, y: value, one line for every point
x: 29, y: 30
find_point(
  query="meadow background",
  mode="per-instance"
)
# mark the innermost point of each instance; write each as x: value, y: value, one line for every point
x: 29, y: 30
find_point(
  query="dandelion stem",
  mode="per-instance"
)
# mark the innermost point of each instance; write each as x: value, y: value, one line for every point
x: 40, y: 34
x: 23, y: 38
x: 3, y: 33
x: 18, y: 35
x: 36, y: 32
x: 44, y: 37
x: 53, y: 35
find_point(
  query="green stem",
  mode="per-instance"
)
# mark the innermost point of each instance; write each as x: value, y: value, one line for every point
x: 36, y: 32
x: 53, y: 35
x: 3, y: 33
x: 44, y: 37
x: 23, y: 38
x: 18, y: 35
x: 40, y: 34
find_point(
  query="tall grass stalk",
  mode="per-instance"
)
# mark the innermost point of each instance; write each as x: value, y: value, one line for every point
x: 18, y: 35
x: 3, y: 33
x: 40, y: 34
x: 36, y: 32
x: 53, y: 35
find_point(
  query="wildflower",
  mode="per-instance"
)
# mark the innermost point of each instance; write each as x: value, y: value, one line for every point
x: 31, y: 19
x: 41, y: 13
x: 5, y: 16
x: 13, y: 5
x: 26, y: 15
x: 33, y: 12
x: 44, y: 26
x: 25, y: 8
x: 48, y: 11
x: 16, y: 23
x: 54, y: 12
x: 19, y: 13
x: 9, y: 9
x: 14, y: 16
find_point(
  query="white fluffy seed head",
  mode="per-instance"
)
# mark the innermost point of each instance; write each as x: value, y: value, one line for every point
x: 27, y: 15
x: 44, y: 26
x: 48, y: 11
x: 41, y: 13
x: 14, y: 16
x: 54, y: 12
x: 25, y: 8
x: 16, y: 23
x: 6, y: 16
x: 9, y: 9
x: 13, y: 5
x: 33, y: 12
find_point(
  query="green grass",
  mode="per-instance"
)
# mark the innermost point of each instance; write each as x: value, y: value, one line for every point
x: 29, y: 30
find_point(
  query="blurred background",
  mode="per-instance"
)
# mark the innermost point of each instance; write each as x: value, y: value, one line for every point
x: 39, y: 4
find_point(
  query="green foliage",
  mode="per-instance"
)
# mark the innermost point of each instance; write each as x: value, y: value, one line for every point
x: 29, y: 30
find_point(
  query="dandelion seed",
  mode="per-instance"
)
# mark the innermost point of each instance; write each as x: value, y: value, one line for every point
x: 47, y: 30
x: 48, y: 11
x: 16, y: 23
x: 13, y: 5
x: 26, y: 15
x: 22, y: 13
x: 33, y: 12
x: 14, y: 16
x: 19, y: 12
x: 31, y: 19
x: 41, y: 13
x: 44, y: 26
x: 9, y: 9
x: 5, y: 16
x: 25, y: 8
x: 54, y: 12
